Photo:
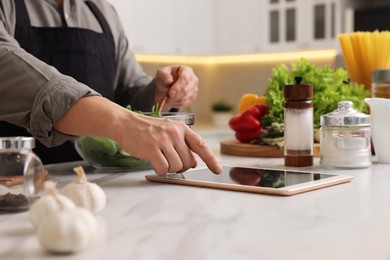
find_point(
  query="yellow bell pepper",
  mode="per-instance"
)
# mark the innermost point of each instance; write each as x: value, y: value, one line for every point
x: 249, y: 99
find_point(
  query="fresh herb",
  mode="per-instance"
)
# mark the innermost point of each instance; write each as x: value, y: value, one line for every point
x: 155, y: 111
x: 136, y: 111
x: 272, y: 135
x: 329, y: 85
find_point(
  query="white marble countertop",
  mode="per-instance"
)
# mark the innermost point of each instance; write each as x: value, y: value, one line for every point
x: 145, y: 220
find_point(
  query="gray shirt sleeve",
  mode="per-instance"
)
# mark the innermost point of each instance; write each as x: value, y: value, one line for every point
x: 34, y: 95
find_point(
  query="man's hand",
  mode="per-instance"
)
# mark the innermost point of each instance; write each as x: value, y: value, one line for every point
x: 179, y: 83
x: 169, y: 145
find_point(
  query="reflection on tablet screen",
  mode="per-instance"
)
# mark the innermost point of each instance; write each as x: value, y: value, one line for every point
x: 253, y: 177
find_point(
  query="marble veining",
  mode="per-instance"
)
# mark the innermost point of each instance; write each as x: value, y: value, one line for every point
x: 145, y: 220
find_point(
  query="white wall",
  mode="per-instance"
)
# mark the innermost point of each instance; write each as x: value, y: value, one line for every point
x: 169, y: 26
x: 240, y: 27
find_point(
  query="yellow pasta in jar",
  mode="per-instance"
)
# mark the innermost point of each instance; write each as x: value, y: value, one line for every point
x: 364, y: 52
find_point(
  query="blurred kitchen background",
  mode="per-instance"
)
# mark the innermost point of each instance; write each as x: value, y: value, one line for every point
x: 232, y: 45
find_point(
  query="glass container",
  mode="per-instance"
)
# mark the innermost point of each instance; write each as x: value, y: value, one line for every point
x: 106, y: 154
x: 21, y: 173
x: 345, y: 138
x: 380, y: 86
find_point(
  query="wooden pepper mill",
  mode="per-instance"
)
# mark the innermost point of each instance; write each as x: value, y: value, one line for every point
x: 298, y: 124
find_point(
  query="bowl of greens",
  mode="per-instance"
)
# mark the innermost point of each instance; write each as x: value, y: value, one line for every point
x: 106, y: 154
x: 103, y: 153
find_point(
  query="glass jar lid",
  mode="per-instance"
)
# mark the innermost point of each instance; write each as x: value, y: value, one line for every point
x: 380, y: 76
x: 345, y: 115
x: 185, y: 117
x: 17, y: 142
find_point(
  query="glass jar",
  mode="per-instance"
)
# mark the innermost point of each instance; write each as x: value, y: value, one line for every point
x: 380, y: 86
x: 21, y: 173
x: 345, y: 138
x: 105, y: 154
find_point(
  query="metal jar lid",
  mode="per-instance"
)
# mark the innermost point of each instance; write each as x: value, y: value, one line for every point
x: 380, y: 76
x: 345, y: 115
x: 187, y: 118
x: 17, y: 142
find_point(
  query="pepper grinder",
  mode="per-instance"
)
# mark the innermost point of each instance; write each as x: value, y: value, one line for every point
x: 298, y: 124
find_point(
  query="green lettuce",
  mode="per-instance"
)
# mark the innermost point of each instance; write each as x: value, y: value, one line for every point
x: 329, y: 85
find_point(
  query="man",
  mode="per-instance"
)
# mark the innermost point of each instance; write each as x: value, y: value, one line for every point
x: 58, y: 57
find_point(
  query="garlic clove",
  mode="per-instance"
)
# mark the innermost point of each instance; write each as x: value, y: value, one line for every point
x: 85, y: 194
x: 68, y: 231
x: 50, y: 202
x: 46, y: 205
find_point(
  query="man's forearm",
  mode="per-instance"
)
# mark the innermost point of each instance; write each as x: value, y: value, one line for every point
x: 91, y: 116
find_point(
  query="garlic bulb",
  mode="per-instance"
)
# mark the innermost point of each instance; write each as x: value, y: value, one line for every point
x: 50, y: 202
x: 68, y: 231
x: 85, y: 194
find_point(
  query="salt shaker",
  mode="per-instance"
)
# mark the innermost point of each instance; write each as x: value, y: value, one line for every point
x: 21, y: 173
x: 345, y: 138
x: 298, y: 124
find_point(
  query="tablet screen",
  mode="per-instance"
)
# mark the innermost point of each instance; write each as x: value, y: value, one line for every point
x: 268, y: 178
x: 258, y: 180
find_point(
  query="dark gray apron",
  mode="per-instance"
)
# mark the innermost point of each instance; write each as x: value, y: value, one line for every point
x: 85, y: 55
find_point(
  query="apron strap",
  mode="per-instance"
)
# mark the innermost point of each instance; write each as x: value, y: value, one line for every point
x: 99, y: 16
x: 21, y: 13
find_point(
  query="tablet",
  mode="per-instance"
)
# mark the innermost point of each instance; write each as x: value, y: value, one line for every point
x: 258, y: 180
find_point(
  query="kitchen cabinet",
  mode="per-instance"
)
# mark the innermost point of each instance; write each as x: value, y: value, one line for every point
x: 302, y: 24
x: 277, y: 25
x: 215, y: 27
x: 168, y: 27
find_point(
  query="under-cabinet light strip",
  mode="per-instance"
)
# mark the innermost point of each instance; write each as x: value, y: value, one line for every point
x: 244, y: 58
